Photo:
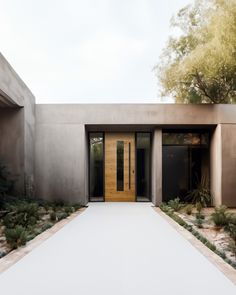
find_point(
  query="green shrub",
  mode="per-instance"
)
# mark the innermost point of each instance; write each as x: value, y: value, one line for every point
x: 198, y: 222
x: 2, y: 254
x: 219, y: 217
x: 37, y: 231
x: 200, y: 216
x: 47, y: 226
x: 30, y: 236
x: 231, y: 229
x: 61, y: 215
x: 198, y: 207
x: 69, y: 209
x: 175, y: 204
x: 231, y: 218
x: 201, y: 194
x: 16, y: 236
x: 53, y: 216
x: 22, y: 213
x: 232, y: 247
x: 188, y: 209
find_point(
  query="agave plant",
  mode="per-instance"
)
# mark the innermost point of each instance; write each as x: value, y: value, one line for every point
x: 201, y: 194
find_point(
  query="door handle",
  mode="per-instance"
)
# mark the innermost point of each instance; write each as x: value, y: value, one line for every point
x: 129, y: 167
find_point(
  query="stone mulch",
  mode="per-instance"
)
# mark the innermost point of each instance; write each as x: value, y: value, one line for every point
x: 219, y: 238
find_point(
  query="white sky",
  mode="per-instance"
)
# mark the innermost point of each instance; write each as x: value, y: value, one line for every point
x: 82, y: 51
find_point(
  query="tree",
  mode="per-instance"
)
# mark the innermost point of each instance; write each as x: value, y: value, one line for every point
x: 199, y: 66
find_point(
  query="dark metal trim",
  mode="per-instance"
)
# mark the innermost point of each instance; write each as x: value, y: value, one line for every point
x: 88, y: 143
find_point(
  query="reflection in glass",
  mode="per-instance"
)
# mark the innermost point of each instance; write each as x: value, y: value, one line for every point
x: 96, y: 166
x: 120, y: 166
x: 185, y: 159
x: 143, y: 144
x: 187, y: 138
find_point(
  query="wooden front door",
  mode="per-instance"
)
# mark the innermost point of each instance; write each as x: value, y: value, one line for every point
x: 120, y: 167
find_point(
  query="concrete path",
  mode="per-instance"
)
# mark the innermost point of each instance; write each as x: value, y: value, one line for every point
x: 115, y: 249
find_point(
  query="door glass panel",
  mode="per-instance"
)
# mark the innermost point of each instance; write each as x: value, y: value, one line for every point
x: 96, y: 166
x: 120, y: 166
x: 143, y: 166
x: 185, y: 160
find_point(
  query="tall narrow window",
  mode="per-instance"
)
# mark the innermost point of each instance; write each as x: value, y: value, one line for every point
x: 143, y: 152
x: 120, y: 166
x: 96, y: 166
x: 185, y: 160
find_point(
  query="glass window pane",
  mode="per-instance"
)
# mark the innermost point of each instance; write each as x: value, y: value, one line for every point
x: 185, y: 160
x: 185, y: 138
x: 143, y: 145
x: 175, y: 172
x: 96, y: 166
x: 120, y: 166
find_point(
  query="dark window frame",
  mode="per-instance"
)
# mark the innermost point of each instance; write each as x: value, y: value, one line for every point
x: 92, y: 199
x: 150, y: 167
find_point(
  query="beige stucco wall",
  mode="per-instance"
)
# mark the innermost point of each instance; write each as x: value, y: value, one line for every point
x: 17, y: 127
x: 216, y: 165
x: 228, y: 133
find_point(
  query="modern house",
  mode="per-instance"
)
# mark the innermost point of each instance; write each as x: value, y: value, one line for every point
x: 115, y: 152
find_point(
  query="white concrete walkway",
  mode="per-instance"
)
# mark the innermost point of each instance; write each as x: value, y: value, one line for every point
x: 115, y: 249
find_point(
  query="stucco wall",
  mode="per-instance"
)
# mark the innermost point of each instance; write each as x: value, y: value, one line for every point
x: 60, y: 162
x: 61, y: 145
x: 17, y: 107
x: 156, y: 168
x: 228, y: 164
x: 216, y: 165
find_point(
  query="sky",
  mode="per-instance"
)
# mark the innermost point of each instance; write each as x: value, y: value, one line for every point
x: 90, y: 51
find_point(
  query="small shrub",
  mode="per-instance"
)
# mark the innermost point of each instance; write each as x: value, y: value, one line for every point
x: 37, y: 231
x: 69, y: 209
x: 200, y: 216
x: 2, y: 254
x: 219, y: 217
x: 175, y: 204
x: 188, y: 209
x: 199, y: 207
x: 16, y: 236
x: 30, y: 237
x: 46, y: 226
x: 202, y: 193
x: 22, y: 213
x: 232, y: 247
x: 53, y: 216
x: 231, y: 218
x: 61, y: 215
x: 198, y: 222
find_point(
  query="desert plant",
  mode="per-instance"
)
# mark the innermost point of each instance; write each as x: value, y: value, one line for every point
x: 188, y: 209
x: 219, y: 217
x: 175, y: 204
x: 69, y: 209
x: 16, y: 236
x: 61, y: 215
x: 201, y: 194
x: 6, y: 184
x: 198, y: 207
x: 231, y: 229
x: 47, y: 226
x: 53, y: 216
x: 198, y: 222
x: 22, y: 213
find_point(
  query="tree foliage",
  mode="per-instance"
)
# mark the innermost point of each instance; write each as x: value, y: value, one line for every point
x: 199, y: 66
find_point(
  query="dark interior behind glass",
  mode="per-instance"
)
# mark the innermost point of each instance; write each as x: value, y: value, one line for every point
x: 185, y: 159
x: 96, y: 181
